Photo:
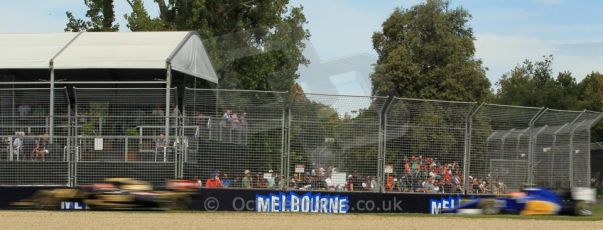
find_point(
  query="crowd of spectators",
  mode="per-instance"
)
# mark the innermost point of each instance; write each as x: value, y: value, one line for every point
x: 28, y: 147
x: 268, y: 179
x: 420, y: 174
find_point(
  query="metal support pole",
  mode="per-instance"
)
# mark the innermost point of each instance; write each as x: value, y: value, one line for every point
x: 51, y: 106
x: 467, y: 146
x: 287, y: 160
x: 571, y: 154
x: 284, y: 163
x: 553, y: 147
x: 532, y: 143
x: 517, y: 146
x: 126, y: 149
x: 571, y: 148
x: 168, y: 84
x: 382, y: 143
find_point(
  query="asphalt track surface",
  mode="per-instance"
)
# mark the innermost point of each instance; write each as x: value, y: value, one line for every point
x: 67, y: 220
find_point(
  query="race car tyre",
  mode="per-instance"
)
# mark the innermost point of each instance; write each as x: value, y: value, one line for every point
x: 488, y: 207
x: 583, y: 208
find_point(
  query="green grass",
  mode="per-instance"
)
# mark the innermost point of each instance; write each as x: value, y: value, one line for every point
x: 597, y: 216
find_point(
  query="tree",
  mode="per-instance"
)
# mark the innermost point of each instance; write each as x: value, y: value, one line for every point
x: 139, y: 19
x: 101, y: 17
x: 427, y: 52
x: 532, y: 84
x: 591, y: 97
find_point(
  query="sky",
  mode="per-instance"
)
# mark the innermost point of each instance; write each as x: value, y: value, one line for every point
x: 340, y: 48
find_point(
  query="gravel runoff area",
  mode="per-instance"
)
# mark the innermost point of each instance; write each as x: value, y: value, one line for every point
x: 231, y: 220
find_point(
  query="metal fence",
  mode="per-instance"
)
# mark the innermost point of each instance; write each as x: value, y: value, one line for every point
x: 237, y: 135
x: 295, y: 141
x: 425, y: 142
x: 122, y: 133
x: 334, y: 142
x: 25, y: 129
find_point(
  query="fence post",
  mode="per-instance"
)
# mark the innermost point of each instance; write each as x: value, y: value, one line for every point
x: 467, y: 146
x: 168, y: 84
x: 532, y: 143
x: 285, y: 140
x: 571, y: 147
x: 51, y: 106
x: 287, y: 147
x: 382, y: 139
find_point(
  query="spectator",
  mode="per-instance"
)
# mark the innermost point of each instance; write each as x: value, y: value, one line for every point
x: 293, y: 183
x: 225, y: 119
x: 389, y: 185
x: 260, y: 181
x: 457, y: 183
x: 202, y: 121
x: 41, y: 147
x: 483, y: 187
x: 243, y: 120
x: 226, y: 181
x: 374, y: 184
x: 161, y: 144
x: 474, y: 184
x: 17, y: 144
x: 247, y: 180
x: 225, y: 122
x: 271, y: 180
x: 234, y: 120
x: 213, y: 181
x: 175, y: 112
x: 429, y: 186
x: 235, y: 127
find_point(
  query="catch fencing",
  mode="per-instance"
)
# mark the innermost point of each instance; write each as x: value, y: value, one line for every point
x: 289, y: 141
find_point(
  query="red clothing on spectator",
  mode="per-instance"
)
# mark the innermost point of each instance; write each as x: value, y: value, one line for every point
x: 390, y: 183
x: 213, y: 183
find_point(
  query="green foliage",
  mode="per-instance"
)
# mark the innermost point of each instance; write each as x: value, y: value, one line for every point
x: 132, y: 132
x: 89, y: 129
x: 531, y: 83
x: 427, y: 52
x: 98, y: 109
x: 101, y: 17
x: 139, y: 19
x: 590, y: 97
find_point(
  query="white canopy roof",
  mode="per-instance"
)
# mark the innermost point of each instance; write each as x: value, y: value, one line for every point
x: 107, y: 50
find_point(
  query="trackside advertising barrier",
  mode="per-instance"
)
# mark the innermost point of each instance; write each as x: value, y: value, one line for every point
x: 324, y: 202
x: 436, y: 205
x: 293, y: 202
x: 253, y: 200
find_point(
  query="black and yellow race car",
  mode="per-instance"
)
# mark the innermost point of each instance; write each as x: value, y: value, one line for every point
x: 116, y: 194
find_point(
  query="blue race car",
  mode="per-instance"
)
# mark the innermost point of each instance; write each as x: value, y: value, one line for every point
x: 532, y: 201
